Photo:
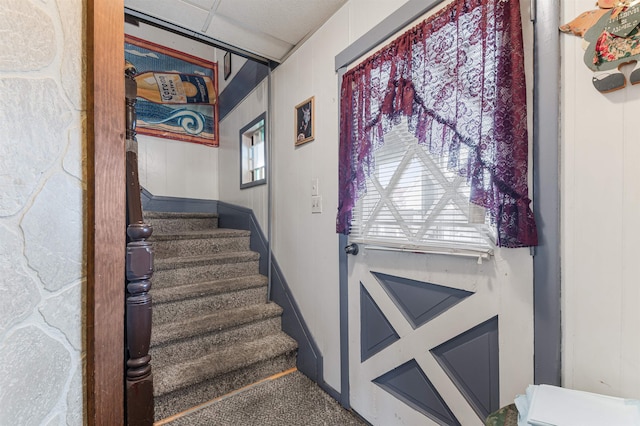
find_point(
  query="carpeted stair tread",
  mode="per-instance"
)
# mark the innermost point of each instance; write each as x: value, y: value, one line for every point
x: 207, y: 259
x: 202, y: 234
x: 190, y: 291
x: 214, y: 322
x: 221, y: 361
x: 178, y: 215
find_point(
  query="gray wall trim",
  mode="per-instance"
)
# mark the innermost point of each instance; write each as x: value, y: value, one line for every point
x: 155, y: 203
x: 343, y: 240
x: 546, y: 195
x: 248, y: 77
x: 407, y: 13
x: 309, y: 359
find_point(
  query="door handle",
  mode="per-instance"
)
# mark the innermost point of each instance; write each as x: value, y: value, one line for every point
x: 352, y: 249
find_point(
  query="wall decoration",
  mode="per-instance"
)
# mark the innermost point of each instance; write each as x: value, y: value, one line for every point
x: 177, y: 93
x: 227, y: 65
x: 304, y: 122
x: 612, y: 33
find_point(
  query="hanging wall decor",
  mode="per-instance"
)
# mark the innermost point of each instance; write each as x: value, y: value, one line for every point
x: 177, y: 93
x: 612, y: 34
x: 304, y: 122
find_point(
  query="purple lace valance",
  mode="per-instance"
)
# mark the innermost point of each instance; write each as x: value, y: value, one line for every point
x: 458, y: 78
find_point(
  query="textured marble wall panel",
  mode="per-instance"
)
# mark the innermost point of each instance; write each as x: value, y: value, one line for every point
x: 19, y: 292
x: 74, y: 399
x: 28, y: 37
x: 75, y: 159
x: 30, y: 356
x: 61, y: 311
x: 53, y: 232
x: 33, y: 125
x: 73, y: 67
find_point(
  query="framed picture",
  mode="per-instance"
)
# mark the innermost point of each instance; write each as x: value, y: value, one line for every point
x: 304, y: 122
x: 227, y: 65
x: 177, y: 93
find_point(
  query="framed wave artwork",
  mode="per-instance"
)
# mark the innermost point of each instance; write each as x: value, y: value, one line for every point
x: 177, y: 93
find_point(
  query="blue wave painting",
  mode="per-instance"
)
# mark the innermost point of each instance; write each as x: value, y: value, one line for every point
x: 191, y: 123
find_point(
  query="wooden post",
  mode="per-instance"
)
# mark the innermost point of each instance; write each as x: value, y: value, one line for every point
x: 139, y: 269
x: 104, y: 221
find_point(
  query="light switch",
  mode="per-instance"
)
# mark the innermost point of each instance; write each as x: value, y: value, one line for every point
x: 316, y: 204
x: 315, y: 190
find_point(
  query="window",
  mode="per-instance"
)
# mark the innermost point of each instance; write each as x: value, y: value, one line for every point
x: 415, y: 201
x: 458, y: 78
x: 253, y: 153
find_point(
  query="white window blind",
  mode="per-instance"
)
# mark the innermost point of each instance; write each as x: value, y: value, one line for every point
x: 415, y: 201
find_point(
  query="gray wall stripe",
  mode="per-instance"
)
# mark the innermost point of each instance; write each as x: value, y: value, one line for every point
x: 157, y: 203
x: 248, y: 77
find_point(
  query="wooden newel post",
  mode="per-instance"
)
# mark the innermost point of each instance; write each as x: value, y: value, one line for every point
x: 139, y: 269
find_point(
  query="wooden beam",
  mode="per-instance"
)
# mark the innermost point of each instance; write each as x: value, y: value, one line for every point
x: 105, y: 212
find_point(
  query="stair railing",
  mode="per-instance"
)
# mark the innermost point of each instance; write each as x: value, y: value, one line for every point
x: 139, y: 269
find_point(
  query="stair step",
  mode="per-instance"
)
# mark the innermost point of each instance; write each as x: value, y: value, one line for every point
x: 176, y: 270
x: 181, y: 386
x: 171, y: 222
x: 213, y: 330
x: 190, y: 291
x: 214, y: 296
x: 195, y: 337
x: 192, y: 243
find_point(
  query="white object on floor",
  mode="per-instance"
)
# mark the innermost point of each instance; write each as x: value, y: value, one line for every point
x: 545, y: 405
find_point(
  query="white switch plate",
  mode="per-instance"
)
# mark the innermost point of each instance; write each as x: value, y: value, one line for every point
x: 315, y: 190
x: 316, y: 204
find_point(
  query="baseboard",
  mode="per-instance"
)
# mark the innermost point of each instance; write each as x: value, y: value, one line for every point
x: 155, y: 203
x: 309, y: 360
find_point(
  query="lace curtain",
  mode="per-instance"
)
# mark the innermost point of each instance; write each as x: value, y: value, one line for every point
x: 458, y: 78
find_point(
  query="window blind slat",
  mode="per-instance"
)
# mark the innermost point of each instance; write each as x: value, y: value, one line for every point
x: 414, y: 197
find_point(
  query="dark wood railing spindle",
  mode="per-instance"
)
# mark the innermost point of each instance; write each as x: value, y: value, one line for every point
x: 139, y: 270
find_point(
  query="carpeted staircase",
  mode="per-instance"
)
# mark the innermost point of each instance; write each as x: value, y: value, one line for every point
x: 213, y: 330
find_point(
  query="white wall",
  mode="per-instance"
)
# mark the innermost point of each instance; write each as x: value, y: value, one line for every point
x: 600, y: 227
x: 173, y: 168
x: 42, y: 202
x: 254, y: 198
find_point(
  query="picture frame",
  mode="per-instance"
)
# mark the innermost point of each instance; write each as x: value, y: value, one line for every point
x: 192, y: 121
x: 227, y: 65
x: 304, y: 121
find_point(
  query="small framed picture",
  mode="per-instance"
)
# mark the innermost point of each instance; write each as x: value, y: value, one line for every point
x: 304, y: 122
x: 227, y: 65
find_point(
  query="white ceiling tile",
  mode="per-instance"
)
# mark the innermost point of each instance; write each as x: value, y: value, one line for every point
x: 202, y: 4
x: 251, y: 41
x: 288, y: 20
x: 269, y: 28
x: 175, y: 11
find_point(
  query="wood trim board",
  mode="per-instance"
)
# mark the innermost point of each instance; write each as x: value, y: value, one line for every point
x: 105, y: 213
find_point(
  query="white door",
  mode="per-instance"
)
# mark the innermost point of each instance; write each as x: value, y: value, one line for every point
x: 434, y: 338
x: 437, y: 339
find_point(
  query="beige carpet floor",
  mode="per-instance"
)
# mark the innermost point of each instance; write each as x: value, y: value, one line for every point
x: 289, y: 400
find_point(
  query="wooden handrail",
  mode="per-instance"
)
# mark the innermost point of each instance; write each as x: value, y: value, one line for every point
x: 139, y: 270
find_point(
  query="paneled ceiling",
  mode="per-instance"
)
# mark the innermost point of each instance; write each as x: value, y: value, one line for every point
x: 267, y: 28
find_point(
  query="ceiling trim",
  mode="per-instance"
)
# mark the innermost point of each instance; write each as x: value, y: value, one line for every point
x: 134, y: 16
